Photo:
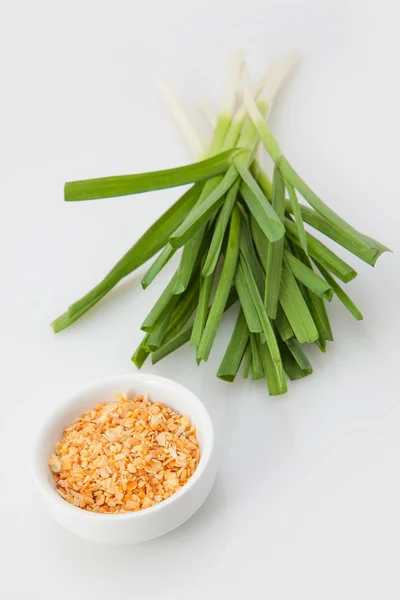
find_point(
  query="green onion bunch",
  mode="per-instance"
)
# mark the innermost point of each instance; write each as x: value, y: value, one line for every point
x: 244, y: 241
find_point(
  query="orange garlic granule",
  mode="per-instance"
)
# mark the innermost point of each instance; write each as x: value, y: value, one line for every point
x: 125, y: 456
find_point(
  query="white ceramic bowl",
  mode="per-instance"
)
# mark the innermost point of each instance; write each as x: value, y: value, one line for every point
x: 127, y: 528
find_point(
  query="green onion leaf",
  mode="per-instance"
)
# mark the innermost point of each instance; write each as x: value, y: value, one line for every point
x: 159, y: 329
x: 249, y: 254
x: 308, y: 277
x: 247, y: 361
x: 321, y: 343
x: 275, y: 252
x: 295, y: 307
x: 219, y: 230
x: 247, y: 302
x: 340, y: 293
x: 165, y: 255
x: 259, y: 206
x: 247, y: 139
x: 276, y: 382
x: 234, y: 353
x: 363, y: 242
x: 261, y: 242
x: 257, y: 368
x: 173, y: 344
x: 202, y: 309
x: 267, y: 328
x: 176, y: 319
x: 182, y: 312
x: 295, y: 206
x: 283, y: 325
x: 141, y: 353
x: 368, y: 254
x: 299, y: 355
x: 161, y: 306
x: 65, y: 320
x: 315, y: 303
x: 201, y: 213
x: 262, y: 179
x: 183, y: 306
x: 123, y: 185
x: 322, y: 254
x: 319, y: 314
x: 147, y: 246
x: 223, y: 288
x: 192, y: 246
x: 183, y: 335
x: 260, y: 124
x: 221, y: 130
x: 292, y: 368
x: 190, y: 256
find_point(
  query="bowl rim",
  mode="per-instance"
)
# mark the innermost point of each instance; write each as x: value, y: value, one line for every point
x: 50, y: 492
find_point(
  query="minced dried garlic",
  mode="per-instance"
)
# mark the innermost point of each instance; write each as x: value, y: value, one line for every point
x: 125, y: 456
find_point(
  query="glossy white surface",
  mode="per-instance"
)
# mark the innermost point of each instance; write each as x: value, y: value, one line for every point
x: 306, y: 501
x: 146, y: 524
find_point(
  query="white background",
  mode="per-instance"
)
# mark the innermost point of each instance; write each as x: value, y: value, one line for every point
x: 307, y: 498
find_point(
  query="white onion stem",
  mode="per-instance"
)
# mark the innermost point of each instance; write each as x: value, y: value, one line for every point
x: 208, y: 112
x: 198, y: 144
x: 275, y: 77
x: 229, y: 96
